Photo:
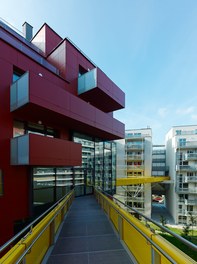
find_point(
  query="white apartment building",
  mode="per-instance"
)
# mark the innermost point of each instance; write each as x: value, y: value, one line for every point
x: 134, y: 159
x: 181, y: 157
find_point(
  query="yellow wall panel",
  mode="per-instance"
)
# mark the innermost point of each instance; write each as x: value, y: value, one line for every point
x: 58, y: 221
x: 136, y: 243
x: 39, y: 249
x: 114, y: 217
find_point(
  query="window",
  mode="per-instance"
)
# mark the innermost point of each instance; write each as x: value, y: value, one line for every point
x: 182, y: 141
x: 81, y: 71
x: 1, y: 183
x: 178, y: 132
x: 182, y: 219
x: 17, y: 73
x: 20, y: 128
x: 190, y: 208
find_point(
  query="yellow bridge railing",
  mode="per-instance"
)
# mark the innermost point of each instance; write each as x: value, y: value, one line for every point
x: 35, y: 244
x: 144, y: 244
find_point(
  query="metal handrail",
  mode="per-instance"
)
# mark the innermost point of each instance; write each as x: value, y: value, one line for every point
x: 183, y: 240
x: 29, y: 227
x: 11, y: 26
x: 147, y: 238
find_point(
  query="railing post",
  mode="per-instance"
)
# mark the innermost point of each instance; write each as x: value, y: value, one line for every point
x: 24, y: 260
x: 120, y: 227
x: 156, y: 258
x: 108, y: 210
x: 52, y: 232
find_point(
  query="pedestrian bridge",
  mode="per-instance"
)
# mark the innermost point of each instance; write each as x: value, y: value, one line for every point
x: 91, y: 229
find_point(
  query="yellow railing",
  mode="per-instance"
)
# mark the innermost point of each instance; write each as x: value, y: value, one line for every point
x: 33, y: 247
x: 144, y: 245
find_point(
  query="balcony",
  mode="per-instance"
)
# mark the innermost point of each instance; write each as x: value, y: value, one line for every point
x: 186, y: 179
x: 188, y: 201
x: 186, y: 213
x: 36, y: 98
x: 135, y: 147
x: 39, y: 150
x: 187, y: 145
x: 187, y: 157
x: 135, y: 157
x: 97, y: 89
x: 185, y: 168
x: 191, y: 156
x: 135, y: 168
x: 186, y: 190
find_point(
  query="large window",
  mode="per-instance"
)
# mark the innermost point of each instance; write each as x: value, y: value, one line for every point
x: 20, y: 128
x: 50, y: 184
x: 98, y: 164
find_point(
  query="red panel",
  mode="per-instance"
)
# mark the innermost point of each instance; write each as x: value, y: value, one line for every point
x: 106, y: 96
x: 46, y: 39
x: 67, y: 59
x: 74, y: 58
x: 55, y: 107
x: 46, y: 151
x: 58, y: 58
x: 15, y: 179
x: 79, y: 114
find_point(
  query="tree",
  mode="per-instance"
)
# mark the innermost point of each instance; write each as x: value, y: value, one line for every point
x: 186, y: 230
x: 192, y: 222
x: 163, y: 222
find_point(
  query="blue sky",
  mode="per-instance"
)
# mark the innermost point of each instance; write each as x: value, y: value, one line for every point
x: 147, y: 47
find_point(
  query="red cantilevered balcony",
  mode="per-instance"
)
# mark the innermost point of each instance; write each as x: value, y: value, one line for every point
x: 96, y: 88
x: 35, y: 98
x: 36, y: 150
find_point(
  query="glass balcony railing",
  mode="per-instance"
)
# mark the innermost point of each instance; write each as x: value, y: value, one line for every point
x: 135, y: 157
x: 19, y: 92
x: 20, y: 150
x: 87, y: 81
x: 186, y: 190
x: 96, y: 84
x: 186, y: 168
x: 135, y: 167
x: 187, y: 144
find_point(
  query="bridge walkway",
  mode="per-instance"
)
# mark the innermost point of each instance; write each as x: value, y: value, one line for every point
x: 87, y: 237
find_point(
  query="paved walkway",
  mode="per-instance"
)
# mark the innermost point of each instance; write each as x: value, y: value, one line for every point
x: 87, y: 237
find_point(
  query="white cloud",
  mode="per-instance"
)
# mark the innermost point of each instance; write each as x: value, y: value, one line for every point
x: 186, y: 110
x: 162, y: 112
x: 194, y: 117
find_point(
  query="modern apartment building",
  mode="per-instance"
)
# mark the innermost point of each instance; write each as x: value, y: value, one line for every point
x: 57, y: 124
x: 181, y: 157
x: 135, y: 162
x: 159, y: 169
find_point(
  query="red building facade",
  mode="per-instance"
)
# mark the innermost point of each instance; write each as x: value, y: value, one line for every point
x: 56, y: 112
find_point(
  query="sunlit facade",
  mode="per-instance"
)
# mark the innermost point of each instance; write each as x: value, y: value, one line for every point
x: 57, y: 125
x: 181, y: 157
x: 135, y: 162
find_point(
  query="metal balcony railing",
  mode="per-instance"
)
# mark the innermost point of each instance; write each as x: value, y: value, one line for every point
x: 135, y: 167
x: 187, y: 144
x: 38, y: 234
x: 153, y: 249
x: 186, y: 168
x: 134, y: 157
x: 37, y: 239
x: 186, y: 190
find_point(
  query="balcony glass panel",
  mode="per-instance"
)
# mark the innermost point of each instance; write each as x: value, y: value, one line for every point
x: 87, y: 81
x: 20, y: 150
x: 19, y: 92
